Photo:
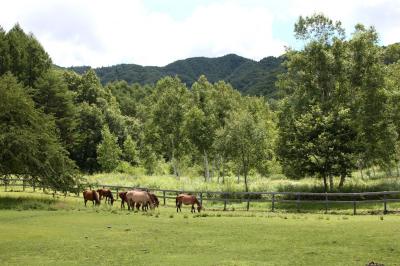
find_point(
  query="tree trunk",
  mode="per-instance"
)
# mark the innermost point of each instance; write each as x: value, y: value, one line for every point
x: 223, y: 170
x: 206, y: 170
x: 238, y: 176
x: 362, y: 176
x: 325, y: 184
x: 373, y: 170
x: 397, y: 168
x: 246, y: 187
x: 330, y: 183
x: 218, y: 168
x: 341, y: 183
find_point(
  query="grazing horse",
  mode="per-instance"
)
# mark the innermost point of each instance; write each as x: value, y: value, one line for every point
x: 107, y: 195
x: 122, y: 196
x: 153, y: 199
x: 139, y: 198
x: 92, y: 196
x: 187, y: 200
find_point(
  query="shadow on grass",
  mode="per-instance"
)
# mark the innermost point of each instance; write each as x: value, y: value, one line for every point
x: 27, y: 203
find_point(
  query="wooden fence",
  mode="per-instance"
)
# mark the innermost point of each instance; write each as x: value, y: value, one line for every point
x: 225, y: 198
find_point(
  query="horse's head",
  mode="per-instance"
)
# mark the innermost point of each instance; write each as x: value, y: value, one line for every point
x: 112, y: 200
x: 199, y: 208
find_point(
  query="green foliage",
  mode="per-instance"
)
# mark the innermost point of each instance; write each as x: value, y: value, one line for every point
x: 51, y: 93
x: 248, y: 76
x: 108, y: 151
x: 29, y: 143
x: 22, y: 55
x: 249, y: 135
x: 130, y: 152
x: 334, y: 110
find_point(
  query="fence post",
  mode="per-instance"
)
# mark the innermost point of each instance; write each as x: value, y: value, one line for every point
x: 201, y: 198
x: 354, y: 207
x: 164, y: 196
x: 273, y: 202
x: 298, y: 203
x: 116, y: 195
x: 34, y: 186
x: 248, y: 202
x: 384, y: 205
x: 23, y: 184
x: 326, y: 203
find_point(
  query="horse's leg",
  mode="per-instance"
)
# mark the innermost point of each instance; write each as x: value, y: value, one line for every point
x: 192, y: 209
x: 85, y: 202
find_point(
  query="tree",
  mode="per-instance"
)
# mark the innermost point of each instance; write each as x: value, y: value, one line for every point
x: 25, y: 57
x: 130, y: 152
x: 170, y: 103
x: 249, y: 135
x: 375, y: 130
x: 108, y: 151
x: 316, y: 136
x: 51, y: 93
x: 29, y: 144
x: 201, y: 121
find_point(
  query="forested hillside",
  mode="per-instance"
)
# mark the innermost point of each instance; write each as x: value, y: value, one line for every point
x: 248, y: 76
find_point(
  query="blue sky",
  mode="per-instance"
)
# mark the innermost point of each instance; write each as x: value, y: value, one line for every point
x: 158, y: 32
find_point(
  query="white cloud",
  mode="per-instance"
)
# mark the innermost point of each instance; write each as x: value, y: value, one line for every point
x: 102, y: 32
x: 384, y: 15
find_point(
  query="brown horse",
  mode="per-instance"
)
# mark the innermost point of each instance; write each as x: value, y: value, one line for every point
x: 107, y: 194
x: 139, y: 198
x: 153, y: 199
x: 122, y: 196
x: 92, y: 196
x: 187, y: 200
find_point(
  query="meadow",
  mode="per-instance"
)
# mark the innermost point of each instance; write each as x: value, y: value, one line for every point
x: 274, y: 182
x: 37, y: 229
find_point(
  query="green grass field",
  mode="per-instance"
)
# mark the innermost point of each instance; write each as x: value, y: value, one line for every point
x: 36, y: 229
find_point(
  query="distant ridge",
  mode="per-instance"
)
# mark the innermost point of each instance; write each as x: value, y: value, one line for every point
x: 246, y: 75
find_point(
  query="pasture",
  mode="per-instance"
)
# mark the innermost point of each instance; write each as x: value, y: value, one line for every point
x: 37, y: 229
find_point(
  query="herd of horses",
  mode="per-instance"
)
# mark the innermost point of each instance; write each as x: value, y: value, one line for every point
x: 138, y: 198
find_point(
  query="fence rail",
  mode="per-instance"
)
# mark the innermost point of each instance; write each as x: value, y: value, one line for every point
x: 237, y: 197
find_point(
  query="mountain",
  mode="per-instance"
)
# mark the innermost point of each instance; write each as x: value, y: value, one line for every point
x: 246, y: 75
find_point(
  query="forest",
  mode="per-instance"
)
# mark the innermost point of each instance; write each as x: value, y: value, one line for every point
x: 336, y: 111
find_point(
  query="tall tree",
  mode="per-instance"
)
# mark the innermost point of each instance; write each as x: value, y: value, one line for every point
x: 171, y: 100
x: 108, y: 151
x: 26, y: 58
x: 29, y: 144
x: 51, y: 93
x: 316, y: 134
x: 201, y: 121
x: 249, y: 135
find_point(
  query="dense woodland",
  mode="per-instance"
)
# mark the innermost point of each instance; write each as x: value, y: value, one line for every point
x: 338, y: 111
x: 247, y: 76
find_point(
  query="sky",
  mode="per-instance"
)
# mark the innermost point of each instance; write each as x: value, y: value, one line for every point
x: 158, y: 32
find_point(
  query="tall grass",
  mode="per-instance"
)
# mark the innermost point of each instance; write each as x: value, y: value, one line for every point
x: 256, y: 183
